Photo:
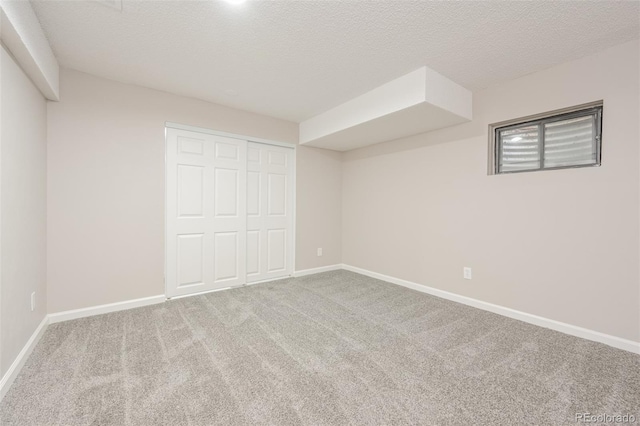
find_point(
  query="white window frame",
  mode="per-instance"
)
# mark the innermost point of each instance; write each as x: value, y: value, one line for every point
x: 540, y: 119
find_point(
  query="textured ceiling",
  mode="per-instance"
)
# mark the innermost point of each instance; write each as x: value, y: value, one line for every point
x: 294, y: 59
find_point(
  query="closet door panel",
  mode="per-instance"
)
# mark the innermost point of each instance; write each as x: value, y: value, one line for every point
x: 205, y: 212
x: 253, y: 253
x: 229, y: 212
x: 272, y: 220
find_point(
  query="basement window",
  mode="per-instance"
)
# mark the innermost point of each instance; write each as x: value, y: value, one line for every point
x: 555, y: 140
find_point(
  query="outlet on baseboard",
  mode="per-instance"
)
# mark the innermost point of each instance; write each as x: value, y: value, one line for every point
x: 466, y: 273
x: 33, y: 301
x: 319, y: 251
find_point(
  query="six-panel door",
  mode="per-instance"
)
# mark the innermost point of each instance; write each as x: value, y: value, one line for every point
x: 206, y: 212
x: 229, y: 212
x: 269, y: 212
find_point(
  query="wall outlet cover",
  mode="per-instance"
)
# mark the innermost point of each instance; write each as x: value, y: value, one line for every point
x: 466, y: 273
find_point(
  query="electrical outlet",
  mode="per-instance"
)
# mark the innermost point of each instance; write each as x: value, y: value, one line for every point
x: 33, y: 301
x: 466, y: 273
x: 319, y: 252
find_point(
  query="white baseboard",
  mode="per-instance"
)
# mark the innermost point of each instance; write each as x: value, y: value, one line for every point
x: 18, y: 363
x: 312, y: 271
x: 104, y: 309
x: 607, y: 339
x: 616, y: 342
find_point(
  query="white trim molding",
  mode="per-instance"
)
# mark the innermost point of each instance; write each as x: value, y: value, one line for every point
x: 305, y: 272
x: 573, y: 330
x: 190, y: 128
x: 104, y: 309
x: 18, y: 363
x: 616, y: 342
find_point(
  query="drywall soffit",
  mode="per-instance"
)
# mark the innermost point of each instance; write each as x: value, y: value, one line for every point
x: 22, y: 35
x: 418, y: 102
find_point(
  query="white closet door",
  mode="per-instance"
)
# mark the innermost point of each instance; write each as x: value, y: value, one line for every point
x: 269, y: 212
x: 205, y: 212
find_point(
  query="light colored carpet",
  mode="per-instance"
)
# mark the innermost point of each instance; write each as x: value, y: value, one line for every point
x: 329, y: 349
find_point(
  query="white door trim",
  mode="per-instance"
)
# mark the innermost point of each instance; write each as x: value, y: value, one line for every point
x: 179, y: 126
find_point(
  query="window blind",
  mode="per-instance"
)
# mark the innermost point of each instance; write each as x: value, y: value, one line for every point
x: 566, y: 140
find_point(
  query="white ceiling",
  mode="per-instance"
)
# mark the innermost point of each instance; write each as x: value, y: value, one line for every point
x: 295, y: 59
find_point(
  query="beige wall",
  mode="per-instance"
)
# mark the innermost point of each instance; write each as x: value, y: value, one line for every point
x: 418, y: 209
x: 106, y: 187
x: 23, y: 209
x: 318, y: 207
x: 559, y: 244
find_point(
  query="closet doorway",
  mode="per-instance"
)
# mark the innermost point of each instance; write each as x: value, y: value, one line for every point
x: 229, y: 211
